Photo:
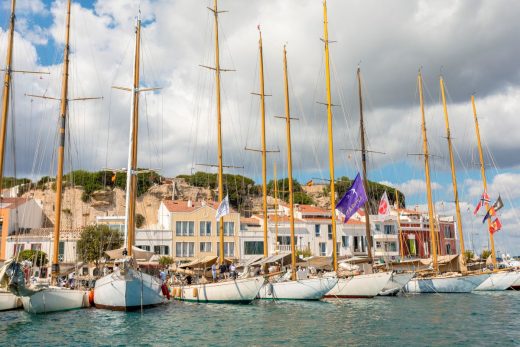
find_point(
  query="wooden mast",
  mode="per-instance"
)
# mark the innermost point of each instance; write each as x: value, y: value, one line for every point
x: 55, y: 269
x: 452, y: 164
x: 401, y: 241
x: 131, y: 174
x: 331, y: 142
x: 264, y: 155
x: 219, y: 131
x: 364, y: 162
x: 5, y: 110
x: 484, y: 181
x: 275, y: 184
x: 431, y: 220
x: 289, y: 164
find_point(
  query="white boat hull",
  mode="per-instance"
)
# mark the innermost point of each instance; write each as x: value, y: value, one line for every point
x: 54, y: 299
x: 130, y: 291
x: 239, y: 291
x: 456, y: 284
x: 361, y: 286
x: 306, y: 289
x: 499, y: 281
x: 9, y: 301
x: 396, y: 283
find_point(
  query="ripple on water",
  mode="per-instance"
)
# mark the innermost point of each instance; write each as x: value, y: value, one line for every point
x: 419, y: 320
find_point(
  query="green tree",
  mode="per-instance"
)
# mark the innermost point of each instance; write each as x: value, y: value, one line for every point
x: 139, y: 220
x: 468, y: 256
x: 299, y: 195
x: 165, y: 261
x: 485, y: 254
x: 39, y: 258
x: 95, y: 240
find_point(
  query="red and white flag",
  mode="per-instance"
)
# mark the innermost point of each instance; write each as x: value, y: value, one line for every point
x: 495, y: 226
x: 384, y: 206
x: 482, y: 202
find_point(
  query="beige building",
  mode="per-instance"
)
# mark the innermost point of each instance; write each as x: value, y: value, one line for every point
x: 195, y: 231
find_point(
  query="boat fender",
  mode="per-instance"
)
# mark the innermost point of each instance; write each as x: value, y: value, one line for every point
x: 91, y: 297
x: 195, y: 292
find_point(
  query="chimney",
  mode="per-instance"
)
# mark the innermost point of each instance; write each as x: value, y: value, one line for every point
x: 190, y: 203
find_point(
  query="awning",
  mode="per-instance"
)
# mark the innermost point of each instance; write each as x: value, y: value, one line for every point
x: 271, y: 259
x: 250, y: 261
x: 317, y: 262
x: 138, y: 253
x: 203, y: 262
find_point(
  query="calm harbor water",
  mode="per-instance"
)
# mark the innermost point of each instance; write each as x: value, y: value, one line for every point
x: 481, y: 319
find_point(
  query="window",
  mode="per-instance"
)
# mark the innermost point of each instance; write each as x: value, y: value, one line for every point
x: 253, y: 247
x: 344, y: 241
x: 205, y: 247
x: 18, y: 248
x: 378, y: 244
x: 329, y: 231
x: 36, y: 246
x: 447, y: 232
x: 338, y: 247
x: 184, y: 228
x: 391, y: 247
x: 389, y: 229
x: 448, y: 249
x: 205, y: 228
x: 317, y: 230
x: 184, y: 249
x: 144, y: 247
x: 164, y: 250
x: 362, y: 239
x: 229, y: 249
x: 378, y: 227
x: 356, y: 243
x: 229, y: 228
x: 61, y: 251
x: 323, y: 248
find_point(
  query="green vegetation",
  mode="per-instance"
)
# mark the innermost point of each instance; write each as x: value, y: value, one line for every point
x: 9, y: 182
x: 95, y: 240
x: 299, y: 195
x: 305, y: 253
x: 375, y: 191
x: 468, y: 256
x: 139, y: 220
x: 39, y: 258
x: 485, y: 254
x: 238, y: 187
x: 165, y: 261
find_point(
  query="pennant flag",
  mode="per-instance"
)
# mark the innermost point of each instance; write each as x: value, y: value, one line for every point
x: 353, y: 199
x: 484, y: 199
x: 223, y: 208
x: 493, y: 209
x: 495, y: 226
x: 384, y: 206
x: 310, y: 183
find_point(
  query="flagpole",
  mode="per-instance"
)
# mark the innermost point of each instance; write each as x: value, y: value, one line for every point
x: 484, y: 181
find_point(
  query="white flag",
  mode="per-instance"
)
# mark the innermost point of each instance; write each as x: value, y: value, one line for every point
x: 223, y: 208
x: 384, y: 206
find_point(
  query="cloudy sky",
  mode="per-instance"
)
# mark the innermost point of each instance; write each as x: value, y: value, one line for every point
x: 473, y: 44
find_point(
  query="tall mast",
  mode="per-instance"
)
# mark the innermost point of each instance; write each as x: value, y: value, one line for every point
x: 7, y: 90
x: 219, y: 131
x: 275, y: 210
x: 131, y: 173
x: 364, y: 161
x: 452, y: 163
x: 401, y: 243
x: 484, y: 181
x: 5, y: 108
x: 289, y: 163
x: 431, y: 221
x: 264, y: 156
x: 61, y: 149
x: 331, y: 142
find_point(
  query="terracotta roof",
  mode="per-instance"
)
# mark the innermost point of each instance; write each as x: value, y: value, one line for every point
x: 11, y: 203
x: 312, y: 209
x: 355, y: 222
x: 283, y: 219
x: 182, y: 205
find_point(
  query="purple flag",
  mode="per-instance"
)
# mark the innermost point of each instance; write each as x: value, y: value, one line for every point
x: 353, y: 199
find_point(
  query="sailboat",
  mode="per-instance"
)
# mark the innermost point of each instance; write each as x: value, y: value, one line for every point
x: 367, y: 285
x: 129, y: 288
x: 49, y: 298
x: 438, y: 283
x: 294, y: 289
x: 501, y: 280
x: 234, y: 291
x: 8, y: 301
